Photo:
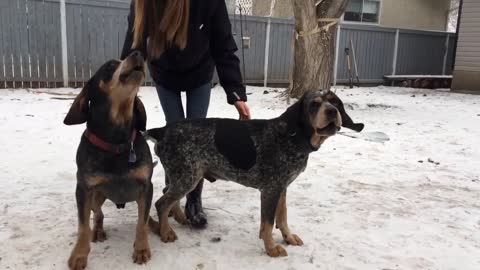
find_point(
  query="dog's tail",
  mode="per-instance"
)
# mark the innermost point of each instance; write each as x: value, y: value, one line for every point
x: 154, y: 134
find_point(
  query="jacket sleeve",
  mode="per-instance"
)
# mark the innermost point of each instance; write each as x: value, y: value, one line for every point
x: 223, y: 50
x: 127, y: 45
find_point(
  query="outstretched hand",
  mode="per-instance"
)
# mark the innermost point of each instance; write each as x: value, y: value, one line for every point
x: 243, y: 110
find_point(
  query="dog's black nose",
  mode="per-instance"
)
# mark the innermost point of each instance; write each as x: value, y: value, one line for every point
x: 137, y: 54
x: 331, y: 112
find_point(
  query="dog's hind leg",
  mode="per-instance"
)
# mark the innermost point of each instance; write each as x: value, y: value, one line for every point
x: 79, y: 255
x: 164, y: 205
x: 170, y: 201
x: 99, y: 234
x: 178, y: 214
x: 141, y: 253
x: 282, y: 224
x: 176, y: 210
x: 269, y: 201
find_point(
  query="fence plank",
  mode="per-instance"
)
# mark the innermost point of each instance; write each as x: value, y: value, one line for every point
x: 70, y: 24
x: 32, y: 40
x: 22, y: 21
x: 420, y: 53
x: 80, y: 43
x: 2, y: 50
x: 100, y: 55
x: 57, y: 45
x: 88, y: 50
x: 8, y: 37
x: 48, y: 52
x: 451, y: 51
x: 42, y: 52
x: 14, y: 29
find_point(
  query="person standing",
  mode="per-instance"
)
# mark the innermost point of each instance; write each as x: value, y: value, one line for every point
x: 183, y: 42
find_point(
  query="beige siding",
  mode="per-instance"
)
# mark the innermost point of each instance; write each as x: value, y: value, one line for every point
x: 410, y: 14
x: 468, y: 48
x: 283, y: 8
x: 415, y: 14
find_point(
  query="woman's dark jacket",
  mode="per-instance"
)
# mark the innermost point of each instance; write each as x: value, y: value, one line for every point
x: 210, y: 44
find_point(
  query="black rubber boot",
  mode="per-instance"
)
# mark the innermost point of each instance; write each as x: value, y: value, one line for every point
x: 194, y: 209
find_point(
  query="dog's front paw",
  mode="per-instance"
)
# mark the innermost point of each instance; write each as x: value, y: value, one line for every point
x: 98, y: 235
x: 168, y: 235
x: 293, y: 239
x: 141, y: 256
x: 277, y: 251
x: 77, y: 262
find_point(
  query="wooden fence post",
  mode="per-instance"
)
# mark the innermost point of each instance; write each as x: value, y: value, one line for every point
x: 445, y: 55
x: 63, y: 31
x: 267, y: 44
x: 395, y: 52
x: 335, y: 61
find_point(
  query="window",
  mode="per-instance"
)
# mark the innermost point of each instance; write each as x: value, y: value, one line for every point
x: 246, y: 6
x: 366, y: 11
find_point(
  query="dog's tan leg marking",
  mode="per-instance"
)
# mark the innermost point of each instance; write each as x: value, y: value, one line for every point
x: 78, y: 257
x: 95, y: 180
x: 262, y: 227
x: 273, y: 249
x: 282, y: 224
x: 178, y: 214
x: 98, y: 234
x: 141, y: 174
x: 141, y: 252
x: 167, y: 234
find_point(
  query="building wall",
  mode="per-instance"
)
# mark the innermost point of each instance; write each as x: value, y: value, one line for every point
x: 467, y: 61
x: 415, y: 14
x: 283, y: 8
x: 409, y: 14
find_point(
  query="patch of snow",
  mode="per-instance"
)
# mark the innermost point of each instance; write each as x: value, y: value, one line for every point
x: 409, y: 203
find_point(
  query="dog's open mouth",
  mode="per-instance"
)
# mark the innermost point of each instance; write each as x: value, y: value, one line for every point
x: 328, y: 130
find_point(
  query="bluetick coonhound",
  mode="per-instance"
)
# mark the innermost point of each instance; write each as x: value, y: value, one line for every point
x: 113, y: 160
x: 266, y: 155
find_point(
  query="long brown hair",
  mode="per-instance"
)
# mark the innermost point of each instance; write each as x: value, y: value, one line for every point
x: 167, y: 24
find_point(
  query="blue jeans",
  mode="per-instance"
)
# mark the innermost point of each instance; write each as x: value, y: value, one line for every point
x: 198, y: 100
x: 197, y: 107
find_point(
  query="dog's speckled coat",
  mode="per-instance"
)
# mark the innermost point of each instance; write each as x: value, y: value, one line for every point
x: 263, y: 154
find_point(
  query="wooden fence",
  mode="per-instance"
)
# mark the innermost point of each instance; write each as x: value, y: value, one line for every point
x: 31, y: 45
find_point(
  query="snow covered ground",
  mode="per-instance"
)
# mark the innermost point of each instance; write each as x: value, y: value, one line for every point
x: 410, y: 203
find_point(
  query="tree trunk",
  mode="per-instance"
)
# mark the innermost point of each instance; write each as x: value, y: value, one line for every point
x: 314, y: 52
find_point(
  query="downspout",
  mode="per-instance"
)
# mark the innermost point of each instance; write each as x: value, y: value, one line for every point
x: 460, y: 9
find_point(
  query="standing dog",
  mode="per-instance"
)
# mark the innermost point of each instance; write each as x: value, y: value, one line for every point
x: 263, y: 154
x: 113, y: 159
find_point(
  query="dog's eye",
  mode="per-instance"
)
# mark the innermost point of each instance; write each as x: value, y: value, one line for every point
x: 314, y: 107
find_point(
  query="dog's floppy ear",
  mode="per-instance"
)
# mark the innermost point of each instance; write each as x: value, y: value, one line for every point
x: 78, y: 112
x: 346, y: 120
x: 293, y: 116
x: 140, y: 115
